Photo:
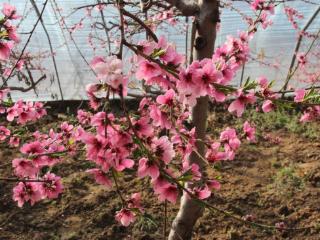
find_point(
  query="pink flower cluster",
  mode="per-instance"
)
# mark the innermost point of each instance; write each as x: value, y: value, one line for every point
x: 45, y: 151
x: 264, y: 9
x: 230, y: 143
x: 167, y: 15
x: 9, y: 34
x: 4, y: 133
x: 302, y: 59
x: 127, y: 215
x: 113, y: 142
x: 292, y: 15
x: 311, y: 114
x: 151, y: 72
x: 109, y: 73
x: 49, y: 186
x: 200, y: 77
x: 156, y: 142
x: 25, y: 112
x: 110, y: 147
x: 262, y: 5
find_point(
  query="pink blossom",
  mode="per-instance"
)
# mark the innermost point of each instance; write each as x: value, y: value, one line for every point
x: 4, y: 133
x: 147, y: 47
x: 51, y: 187
x: 231, y: 142
x: 238, y: 105
x: 163, y: 149
x: 39, y: 109
x: 213, y: 154
x: 14, y: 141
x: 302, y: 59
x: 216, y: 95
x: 24, y: 167
x: 12, y: 34
x: 134, y: 201
x: 143, y: 127
x: 188, y: 79
x: 32, y: 148
x: 100, y: 177
x: 230, y: 136
x: 5, y: 50
x: 25, y: 111
x: 91, y: 90
x: 299, y: 95
x: 93, y: 145
x: 83, y: 116
x: 202, y: 193
x: 99, y: 7
x: 66, y: 127
x: 310, y: 114
x: 159, y: 183
x: 10, y: 11
x: 123, y: 163
x: 292, y: 14
x: 249, y: 131
x: 265, y: 22
x: 280, y: 226
x: 148, y: 71
x: 99, y: 119
x: 306, y: 117
x: 125, y: 217
x: 4, y: 93
x: 262, y: 5
x: 168, y: 192
x: 194, y: 170
x: 171, y: 56
x: 265, y: 88
x: 213, y: 184
x: 78, y: 132
x: 160, y: 119
x: 263, y: 82
x: 208, y: 74
x: 7, y: 72
x: 167, y: 98
x: 267, y: 106
x: 147, y: 168
x: 109, y: 70
x: 230, y: 153
x: 24, y: 192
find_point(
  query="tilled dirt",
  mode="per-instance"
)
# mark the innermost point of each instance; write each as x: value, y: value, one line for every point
x: 272, y: 181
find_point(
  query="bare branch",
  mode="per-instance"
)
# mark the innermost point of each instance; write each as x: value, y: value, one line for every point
x: 21, y: 89
x: 148, y: 30
x: 26, y: 44
x: 290, y: 72
x: 50, y: 45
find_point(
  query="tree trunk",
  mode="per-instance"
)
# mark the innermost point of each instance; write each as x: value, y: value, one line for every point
x: 190, y: 211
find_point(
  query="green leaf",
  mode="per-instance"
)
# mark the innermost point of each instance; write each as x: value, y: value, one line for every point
x: 158, y: 53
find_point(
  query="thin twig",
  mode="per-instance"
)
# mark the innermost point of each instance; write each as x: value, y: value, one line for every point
x: 21, y: 89
x: 22, y: 180
x: 50, y: 45
x: 26, y: 44
x: 105, y: 28
x: 289, y: 75
x: 148, y: 30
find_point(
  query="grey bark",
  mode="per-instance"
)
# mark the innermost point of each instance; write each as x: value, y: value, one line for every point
x: 187, y: 8
x: 190, y: 211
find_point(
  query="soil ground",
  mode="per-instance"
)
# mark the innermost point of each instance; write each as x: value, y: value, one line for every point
x: 276, y: 179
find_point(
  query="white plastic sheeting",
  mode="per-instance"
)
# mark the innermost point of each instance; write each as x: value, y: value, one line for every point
x: 275, y: 43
